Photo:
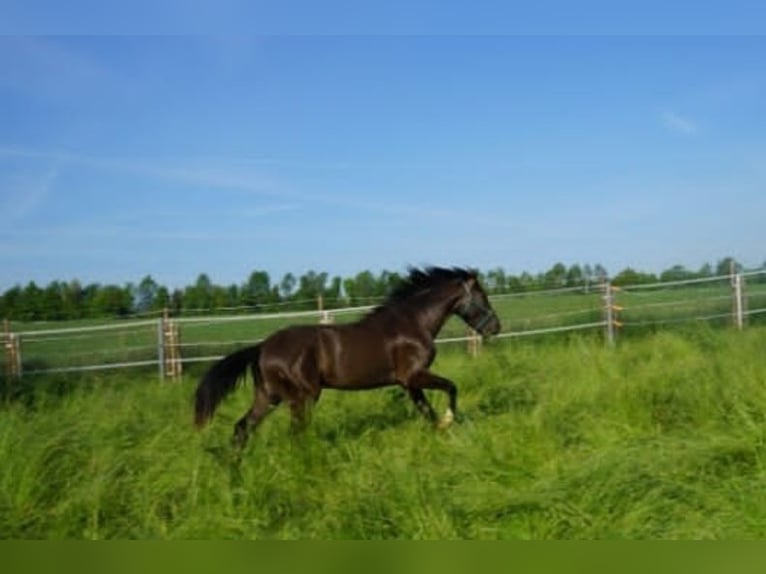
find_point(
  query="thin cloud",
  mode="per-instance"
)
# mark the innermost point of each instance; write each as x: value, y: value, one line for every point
x: 679, y: 124
x: 237, y: 175
x: 23, y: 194
x: 56, y: 239
x: 263, y: 211
x: 247, y: 177
x: 217, y: 174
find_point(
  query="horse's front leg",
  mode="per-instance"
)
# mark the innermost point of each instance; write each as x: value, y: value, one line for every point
x: 424, y: 380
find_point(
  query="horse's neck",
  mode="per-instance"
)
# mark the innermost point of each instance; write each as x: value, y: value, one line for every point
x: 432, y: 309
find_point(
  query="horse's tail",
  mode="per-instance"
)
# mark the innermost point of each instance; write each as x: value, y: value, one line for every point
x: 222, y: 379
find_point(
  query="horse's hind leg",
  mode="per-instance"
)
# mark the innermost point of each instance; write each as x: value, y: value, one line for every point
x: 419, y: 398
x: 253, y: 417
x: 300, y: 408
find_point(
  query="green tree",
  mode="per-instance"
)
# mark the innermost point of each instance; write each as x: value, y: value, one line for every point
x: 9, y: 303
x: 600, y: 273
x: 219, y: 297
x: 200, y: 295
x: 74, y: 300
x: 361, y: 287
x: 387, y: 282
x: 630, y: 276
x: 31, y: 303
x: 52, y: 302
x: 287, y: 286
x: 527, y: 282
x: 496, y: 280
x: 334, y: 292
x: 89, y: 294
x: 113, y: 301
x: 726, y: 265
x: 257, y: 290
x: 574, y: 276
x: 146, y: 295
x: 513, y: 284
x: 233, y: 296
x: 555, y: 277
x: 176, y: 301
x: 676, y: 273
x: 162, y: 299
x: 310, y: 286
x: 705, y: 271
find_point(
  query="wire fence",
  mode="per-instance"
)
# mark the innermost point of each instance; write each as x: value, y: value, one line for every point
x: 167, y: 344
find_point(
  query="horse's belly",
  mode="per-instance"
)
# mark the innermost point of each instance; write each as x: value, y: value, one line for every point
x: 350, y: 374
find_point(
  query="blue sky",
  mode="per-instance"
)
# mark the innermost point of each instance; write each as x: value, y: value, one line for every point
x: 122, y: 156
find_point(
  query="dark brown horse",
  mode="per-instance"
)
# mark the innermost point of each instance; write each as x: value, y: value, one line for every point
x: 392, y: 345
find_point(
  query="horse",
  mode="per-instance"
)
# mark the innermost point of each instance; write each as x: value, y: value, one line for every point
x: 391, y: 345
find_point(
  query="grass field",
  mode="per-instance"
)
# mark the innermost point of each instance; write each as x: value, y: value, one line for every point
x: 660, y: 437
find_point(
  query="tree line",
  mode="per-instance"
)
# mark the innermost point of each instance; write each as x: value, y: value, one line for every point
x: 67, y: 300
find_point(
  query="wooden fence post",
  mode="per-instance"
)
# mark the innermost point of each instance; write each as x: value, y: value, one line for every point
x: 738, y: 300
x: 12, y: 352
x: 170, y: 354
x: 474, y: 342
x: 611, y: 311
x: 161, y: 346
x: 325, y: 318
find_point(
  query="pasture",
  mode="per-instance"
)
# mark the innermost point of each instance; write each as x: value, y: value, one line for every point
x: 566, y: 438
x: 44, y: 346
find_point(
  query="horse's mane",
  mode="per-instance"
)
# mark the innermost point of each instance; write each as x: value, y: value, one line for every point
x: 419, y: 280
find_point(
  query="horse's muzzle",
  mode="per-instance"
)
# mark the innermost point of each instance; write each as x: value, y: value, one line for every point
x: 492, y: 327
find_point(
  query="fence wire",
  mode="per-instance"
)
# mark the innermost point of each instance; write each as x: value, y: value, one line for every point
x: 140, y: 343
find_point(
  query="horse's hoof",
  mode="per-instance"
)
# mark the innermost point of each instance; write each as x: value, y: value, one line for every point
x: 446, y: 420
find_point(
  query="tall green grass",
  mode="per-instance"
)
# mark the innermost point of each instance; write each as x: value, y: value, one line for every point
x: 660, y: 437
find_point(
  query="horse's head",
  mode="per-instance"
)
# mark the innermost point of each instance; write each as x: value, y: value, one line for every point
x: 474, y: 308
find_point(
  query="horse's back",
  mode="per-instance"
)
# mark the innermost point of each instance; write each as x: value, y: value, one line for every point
x: 290, y: 341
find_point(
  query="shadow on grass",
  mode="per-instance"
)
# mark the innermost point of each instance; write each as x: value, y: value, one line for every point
x: 397, y: 409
